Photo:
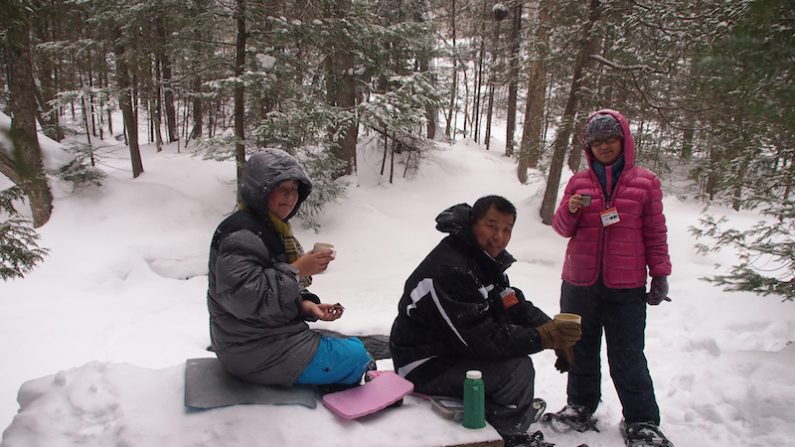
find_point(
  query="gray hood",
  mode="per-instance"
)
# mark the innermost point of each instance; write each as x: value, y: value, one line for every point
x: 263, y: 172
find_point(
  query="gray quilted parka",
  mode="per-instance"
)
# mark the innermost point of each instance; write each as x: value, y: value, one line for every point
x: 257, y: 327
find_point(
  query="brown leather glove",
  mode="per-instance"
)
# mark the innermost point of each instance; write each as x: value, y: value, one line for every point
x: 557, y: 334
x: 565, y: 359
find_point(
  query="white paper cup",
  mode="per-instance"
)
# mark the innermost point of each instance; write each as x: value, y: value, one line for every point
x: 321, y: 247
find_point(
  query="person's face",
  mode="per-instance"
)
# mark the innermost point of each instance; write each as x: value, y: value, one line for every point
x: 283, y: 198
x: 606, y: 151
x: 493, y: 231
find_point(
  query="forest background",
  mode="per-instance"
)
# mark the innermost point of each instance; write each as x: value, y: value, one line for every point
x: 707, y: 85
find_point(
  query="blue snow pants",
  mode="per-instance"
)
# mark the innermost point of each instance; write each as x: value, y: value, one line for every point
x: 336, y: 361
x: 621, y: 313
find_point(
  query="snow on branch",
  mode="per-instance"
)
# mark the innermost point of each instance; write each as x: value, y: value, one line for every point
x: 639, y: 67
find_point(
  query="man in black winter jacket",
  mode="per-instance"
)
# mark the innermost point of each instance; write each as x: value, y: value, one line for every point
x: 459, y: 312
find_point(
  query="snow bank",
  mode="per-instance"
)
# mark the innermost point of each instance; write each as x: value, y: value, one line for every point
x: 113, y: 404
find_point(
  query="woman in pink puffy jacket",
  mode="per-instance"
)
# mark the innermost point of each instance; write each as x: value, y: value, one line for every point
x: 613, y: 215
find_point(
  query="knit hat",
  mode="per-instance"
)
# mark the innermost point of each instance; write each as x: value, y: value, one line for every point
x: 602, y: 127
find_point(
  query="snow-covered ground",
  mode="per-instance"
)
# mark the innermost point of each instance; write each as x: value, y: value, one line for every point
x: 119, y: 304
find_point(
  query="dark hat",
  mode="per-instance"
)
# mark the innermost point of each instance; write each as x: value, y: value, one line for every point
x: 602, y: 127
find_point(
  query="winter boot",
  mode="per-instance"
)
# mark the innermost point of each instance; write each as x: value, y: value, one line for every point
x: 526, y: 440
x: 571, y: 417
x: 643, y: 434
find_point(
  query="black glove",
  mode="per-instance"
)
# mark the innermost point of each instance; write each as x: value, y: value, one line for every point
x: 565, y: 359
x: 659, y: 291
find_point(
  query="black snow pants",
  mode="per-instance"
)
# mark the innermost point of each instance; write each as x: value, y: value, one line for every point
x: 622, y: 315
x: 508, y: 383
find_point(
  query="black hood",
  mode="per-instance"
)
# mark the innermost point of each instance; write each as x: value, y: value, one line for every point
x: 457, y: 221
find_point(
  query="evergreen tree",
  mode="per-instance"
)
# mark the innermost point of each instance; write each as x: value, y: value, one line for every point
x: 19, y: 249
x: 751, y: 70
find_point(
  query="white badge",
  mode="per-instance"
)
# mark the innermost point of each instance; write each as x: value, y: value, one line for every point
x: 609, y: 217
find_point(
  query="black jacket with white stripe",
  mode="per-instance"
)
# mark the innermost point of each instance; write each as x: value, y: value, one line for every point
x: 451, y: 304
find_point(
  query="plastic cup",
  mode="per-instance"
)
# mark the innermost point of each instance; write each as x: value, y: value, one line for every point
x: 586, y: 199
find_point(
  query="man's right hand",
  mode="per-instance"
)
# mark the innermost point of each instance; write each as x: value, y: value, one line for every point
x: 559, y: 334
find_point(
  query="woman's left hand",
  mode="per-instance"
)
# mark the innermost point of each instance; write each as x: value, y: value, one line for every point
x: 323, y: 311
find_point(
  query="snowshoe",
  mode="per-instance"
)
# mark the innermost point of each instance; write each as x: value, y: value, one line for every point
x: 571, y: 417
x: 540, y: 405
x: 643, y: 434
x: 526, y: 440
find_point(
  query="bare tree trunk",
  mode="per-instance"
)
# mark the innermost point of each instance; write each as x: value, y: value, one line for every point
x: 198, y: 115
x: 198, y: 105
x: 27, y: 165
x: 479, y: 77
x: 48, y: 117
x: 688, y: 136
x: 423, y: 58
x: 711, y: 185
x: 83, y: 107
x: 575, y: 146
x: 104, y: 78
x: 513, y: 77
x: 386, y: 149
x: 125, y: 103
x: 392, y: 161
x: 532, y: 137
x: 341, y: 90
x: 168, y: 94
x: 789, y: 178
x: 431, y: 112
x: 466, y: 101
x: 155, y: 111
x: 346, y: 99
x: 454, y: 89
x: 240, y: 62
x: 91, y: 106
x: 492, y: 78
x: 556, y: 165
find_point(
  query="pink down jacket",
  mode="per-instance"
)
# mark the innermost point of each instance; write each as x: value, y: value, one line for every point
x: 621, y: 251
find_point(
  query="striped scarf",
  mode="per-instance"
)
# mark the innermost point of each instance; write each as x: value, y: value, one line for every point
x: 292, y: 248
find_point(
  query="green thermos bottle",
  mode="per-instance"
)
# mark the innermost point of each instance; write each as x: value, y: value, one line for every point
x: 474, y: 400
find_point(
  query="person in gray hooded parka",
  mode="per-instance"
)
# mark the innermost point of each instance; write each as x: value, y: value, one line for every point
x: 257, y: 296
